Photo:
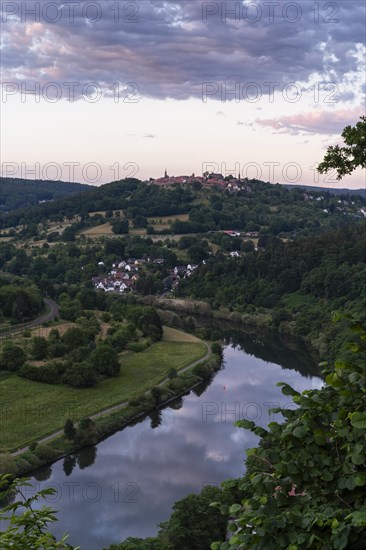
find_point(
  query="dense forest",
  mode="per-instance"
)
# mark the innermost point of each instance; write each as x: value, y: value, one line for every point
x: 20, y: 193
x: 300, y: 281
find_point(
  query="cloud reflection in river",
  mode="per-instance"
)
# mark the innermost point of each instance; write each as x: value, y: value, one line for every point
x: 141, y: 471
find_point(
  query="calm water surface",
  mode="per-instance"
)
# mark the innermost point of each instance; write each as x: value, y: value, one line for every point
x: 128, y: 483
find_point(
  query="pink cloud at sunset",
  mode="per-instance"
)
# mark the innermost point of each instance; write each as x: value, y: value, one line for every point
x: 315, y: 122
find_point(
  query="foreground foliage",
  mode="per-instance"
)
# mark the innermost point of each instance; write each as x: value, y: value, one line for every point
x: 305, y: 482
x: 28, y: 527
x: 344, y: 160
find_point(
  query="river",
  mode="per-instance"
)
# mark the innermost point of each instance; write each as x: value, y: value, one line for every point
x: 129, y: 482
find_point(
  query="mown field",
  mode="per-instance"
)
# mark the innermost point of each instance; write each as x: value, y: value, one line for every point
x: 31, y: 410
x: 160, y: 223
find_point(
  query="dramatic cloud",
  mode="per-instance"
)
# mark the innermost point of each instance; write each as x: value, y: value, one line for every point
x: 316, y: 122
x: 169, y: 49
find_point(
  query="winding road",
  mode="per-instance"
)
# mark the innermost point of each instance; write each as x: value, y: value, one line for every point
x: 50, y: 315
x: 118, y: 406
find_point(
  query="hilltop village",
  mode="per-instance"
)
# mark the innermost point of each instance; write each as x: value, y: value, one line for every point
x: 208, y: 179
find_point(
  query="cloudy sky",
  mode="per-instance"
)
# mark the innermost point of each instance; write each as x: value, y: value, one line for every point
x: 97, y: 91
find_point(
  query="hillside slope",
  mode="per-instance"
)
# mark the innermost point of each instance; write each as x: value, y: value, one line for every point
x: 20, y: 193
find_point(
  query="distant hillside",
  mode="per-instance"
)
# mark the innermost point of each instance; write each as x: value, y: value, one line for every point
x: 331, y: 190
x: 130, y: 193
x: 18, y: 193
x: 256, y: 207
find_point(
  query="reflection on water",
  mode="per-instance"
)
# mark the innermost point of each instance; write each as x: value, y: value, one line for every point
x: 128, y: 483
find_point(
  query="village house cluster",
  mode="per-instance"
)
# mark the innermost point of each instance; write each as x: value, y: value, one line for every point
x: 208, y: 179
x: 121, y: 278
x: 124, y: 275
x: 235, y: 184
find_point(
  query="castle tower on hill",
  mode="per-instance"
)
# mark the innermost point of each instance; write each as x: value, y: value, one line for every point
x: 166, y: 174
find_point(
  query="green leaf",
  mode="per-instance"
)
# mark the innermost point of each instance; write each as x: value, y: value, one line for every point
x: 319, y: 437
x: 357, y: 454
x: 252, y: 451
x: 357, y: 518
x: 357, y: 327
x: 351, y: 483
x: 355, y: 348
x: 247, y: 424
x: 234, y: 508
x: 358, y: 420
x: 300, y: 432
x: 360, y: 479
x: 333, y: 380
x: 337, y: 316
x: 286, y: 389
x: 354, y: 377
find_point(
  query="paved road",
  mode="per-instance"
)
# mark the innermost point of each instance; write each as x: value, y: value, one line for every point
x: 44, y: 318
x: 119, y: 405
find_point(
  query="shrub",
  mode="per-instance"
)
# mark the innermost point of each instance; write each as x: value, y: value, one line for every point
x: 138, y: 400
x: 216, y: 349
x: 177, y: 385
x: 156, y: 394
x: 137, y: 346
x: 39, y: 349
x: 12, y: 357
x: 201, y: 370
x: 104, y: 359
x: 51, y: 373
x: 172, y: 373
x: 87, y: 432
x: 7, y: 464
x: 69, y: 429
x: 80, y: 376
x: 45, y: 452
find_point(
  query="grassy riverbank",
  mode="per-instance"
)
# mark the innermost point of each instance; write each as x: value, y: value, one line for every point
x: 116, y: 418
x: 31, y: 410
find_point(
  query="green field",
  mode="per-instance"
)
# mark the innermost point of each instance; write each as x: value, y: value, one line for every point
x: 31, y: 410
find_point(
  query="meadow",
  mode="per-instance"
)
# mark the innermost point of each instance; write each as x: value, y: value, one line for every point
x: 31, y: 410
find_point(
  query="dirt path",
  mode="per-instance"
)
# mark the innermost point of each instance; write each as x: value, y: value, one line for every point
x: 118, y: 406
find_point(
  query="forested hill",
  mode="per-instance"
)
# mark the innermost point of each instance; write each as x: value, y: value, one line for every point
x: 342, y: 191
x: 255, y: 207
x: 122, y: 194
x: 301, y: 281
x: 19, y: 193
